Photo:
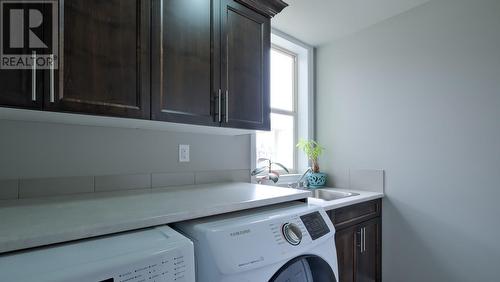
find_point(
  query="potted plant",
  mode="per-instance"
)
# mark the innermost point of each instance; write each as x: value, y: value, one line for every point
x: 313, y: 150
x: 266, y: 173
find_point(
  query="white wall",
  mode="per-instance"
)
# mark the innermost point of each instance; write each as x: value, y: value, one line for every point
x: 419, y: 96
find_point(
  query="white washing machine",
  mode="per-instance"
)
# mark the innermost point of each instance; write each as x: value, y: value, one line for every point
x: 158, y: 254
x: 291, y: 242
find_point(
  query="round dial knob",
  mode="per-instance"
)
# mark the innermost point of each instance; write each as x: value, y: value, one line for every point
x: 292, y: 233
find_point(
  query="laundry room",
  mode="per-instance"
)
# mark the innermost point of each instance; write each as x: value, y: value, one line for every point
x: 249, y: 140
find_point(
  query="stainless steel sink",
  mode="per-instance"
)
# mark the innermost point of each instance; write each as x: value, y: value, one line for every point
x: 330, y: 195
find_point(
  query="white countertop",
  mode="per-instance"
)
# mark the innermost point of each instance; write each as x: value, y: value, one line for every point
x: 339, y: 203
x: 38, y: 222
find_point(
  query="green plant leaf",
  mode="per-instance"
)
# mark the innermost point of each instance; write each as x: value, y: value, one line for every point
x: 282, y: 166
x: 311, y: 148
x: 259, y: 170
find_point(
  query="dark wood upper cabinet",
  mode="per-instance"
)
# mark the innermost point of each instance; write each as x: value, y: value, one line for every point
x: 210, y: 62
x: 245, y: 64
x: 21, y: 88
x: 269, y: 8
x: 104, y: 65
x: 186, y: 61
x: 184, y: 71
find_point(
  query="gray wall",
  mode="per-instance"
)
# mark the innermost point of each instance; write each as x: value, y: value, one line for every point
x: 33, y: 150
x: 419, y: 96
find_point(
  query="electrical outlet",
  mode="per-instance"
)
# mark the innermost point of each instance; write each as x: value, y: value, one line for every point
x: 184, y: 153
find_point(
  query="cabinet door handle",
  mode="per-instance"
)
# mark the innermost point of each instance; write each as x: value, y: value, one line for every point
x: 360, y: 245
x: 227, y: 106
x: 33, y: 78
x: 219, y: 108
x: 364, y: 239
x: 52, y: 94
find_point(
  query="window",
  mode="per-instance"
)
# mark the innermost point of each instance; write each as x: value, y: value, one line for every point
x: 279, y: 143
x: 292, y: 105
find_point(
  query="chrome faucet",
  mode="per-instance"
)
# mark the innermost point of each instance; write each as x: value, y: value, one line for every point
x: 299, y: 183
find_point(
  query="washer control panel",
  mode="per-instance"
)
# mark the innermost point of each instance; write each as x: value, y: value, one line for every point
x: 165, y: 268
x: 315, y: 225
x: 292, y: 233
x: 299, y: 228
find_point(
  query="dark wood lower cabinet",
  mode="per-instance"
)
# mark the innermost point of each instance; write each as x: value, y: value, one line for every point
x: 346, y: 241
x: 369, y: 258
x: 359, y: 242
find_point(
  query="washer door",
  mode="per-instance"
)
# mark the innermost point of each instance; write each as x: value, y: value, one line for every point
x: 305, y: 269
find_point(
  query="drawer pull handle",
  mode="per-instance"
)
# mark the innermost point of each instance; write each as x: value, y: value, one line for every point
x: 219, y: 109
x: 33, y: 78
x: 227, y: 106
x: 52, y: 94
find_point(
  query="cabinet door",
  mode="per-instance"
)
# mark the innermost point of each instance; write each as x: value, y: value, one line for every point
x: 104, y: 59
x: 369, y: 261
x: 245, y: 51
x: 183, y: 86
x: 359, y: 252
x: 21, y: 88
x: 347, y: 243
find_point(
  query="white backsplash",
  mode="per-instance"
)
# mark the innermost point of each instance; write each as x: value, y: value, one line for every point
x: 57, y: 186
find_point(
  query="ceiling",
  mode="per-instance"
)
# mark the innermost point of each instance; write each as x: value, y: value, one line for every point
x: 319, y: 21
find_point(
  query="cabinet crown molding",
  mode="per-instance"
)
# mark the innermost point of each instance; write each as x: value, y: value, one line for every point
x: 269, y: 8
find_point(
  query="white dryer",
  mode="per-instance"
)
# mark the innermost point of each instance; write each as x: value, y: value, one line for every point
x: 291, y: 242
x: 157, y: 254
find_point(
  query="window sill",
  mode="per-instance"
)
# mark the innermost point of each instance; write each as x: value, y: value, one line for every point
x: 288, y: 178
